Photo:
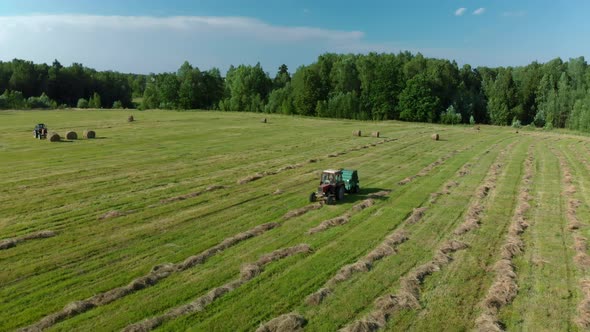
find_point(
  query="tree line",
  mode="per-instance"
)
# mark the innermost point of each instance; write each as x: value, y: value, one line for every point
x: 403, y: 86
x: 29, y: 85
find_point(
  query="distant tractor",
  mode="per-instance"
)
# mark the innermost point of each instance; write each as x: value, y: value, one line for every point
x: 40, y: 131
x: 334, y: 183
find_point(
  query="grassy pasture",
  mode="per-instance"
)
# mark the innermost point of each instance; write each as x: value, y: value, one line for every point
x: 152, y: 175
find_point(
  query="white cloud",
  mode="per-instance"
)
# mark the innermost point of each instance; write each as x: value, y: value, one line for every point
x: 155, y: 44
x: 144, y: 44
x: 224, y: 24
x: 479, y: 11
x: 460, y: 11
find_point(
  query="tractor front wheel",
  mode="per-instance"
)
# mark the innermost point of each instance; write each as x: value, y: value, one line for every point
x: 330, y: 200
x: 312, y: 198
x: 340, y: 193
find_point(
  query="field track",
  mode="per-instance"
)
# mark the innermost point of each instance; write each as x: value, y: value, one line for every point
x: 200, y: 221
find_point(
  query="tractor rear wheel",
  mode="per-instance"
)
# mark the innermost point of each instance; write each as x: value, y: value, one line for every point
x: 312, y: 198
x: 340, y: 193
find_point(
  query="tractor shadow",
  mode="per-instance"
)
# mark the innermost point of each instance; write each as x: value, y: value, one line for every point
x: 365, y: 193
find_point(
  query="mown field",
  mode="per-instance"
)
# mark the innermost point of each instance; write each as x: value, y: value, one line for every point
x: 200, y: 221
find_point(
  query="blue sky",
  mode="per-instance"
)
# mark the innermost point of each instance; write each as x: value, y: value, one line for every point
x: 156, y: 36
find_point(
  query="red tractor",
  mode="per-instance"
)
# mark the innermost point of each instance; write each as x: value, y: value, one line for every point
x: 333, y: 185
x: 40, y: 131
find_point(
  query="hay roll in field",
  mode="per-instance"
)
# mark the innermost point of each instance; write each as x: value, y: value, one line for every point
x: 375, y: 134
x: 356, y: 133
x: 89, y: 134
x: 130, y: 118
x: 71, y: 135
x: 54, y: 137
x: 435, y: 137
x: 263, y: 120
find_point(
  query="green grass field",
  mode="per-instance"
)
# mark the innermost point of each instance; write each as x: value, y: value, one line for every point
x: 140, y: 195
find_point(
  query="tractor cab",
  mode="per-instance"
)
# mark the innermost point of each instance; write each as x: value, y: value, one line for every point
x: 331, y: 176
x: 40, y: 131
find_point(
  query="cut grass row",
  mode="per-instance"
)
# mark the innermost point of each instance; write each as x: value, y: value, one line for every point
x: 90, y: 256
x: 397, y: 318
x: 364, y: 236
x: 89, y: 252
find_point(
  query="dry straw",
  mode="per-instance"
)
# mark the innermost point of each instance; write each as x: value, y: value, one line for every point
x: 89, y: 134
x: 291, y: 322
x: 380, y: 194
x: 416, y: 215
x: 39, y: 235
x: 409, y: 293
x: 302, y: 211
x: 324, y: 225
x: 251, y: 178
x: 191, y: 195
x: 340, y: 220
x: 386, y: 248
x: 9, y: 243
x: 319, y: 296
x: 156, y: 274
x: 71, y: 135
x: 247, y: 272
x: 363, y: 205
x: 504, y: 288
x: 583, y: 319
x: 113, y: 214
x: 54, y: 137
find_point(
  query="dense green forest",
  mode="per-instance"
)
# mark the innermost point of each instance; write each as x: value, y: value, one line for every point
x: 29, y: 85
x: 375, y: 86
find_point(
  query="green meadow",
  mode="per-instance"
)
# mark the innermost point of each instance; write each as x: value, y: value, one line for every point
x: 174, y: 185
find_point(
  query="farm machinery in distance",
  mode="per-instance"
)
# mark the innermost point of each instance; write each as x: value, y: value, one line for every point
x: 40, y: 131
x: 334, y: 183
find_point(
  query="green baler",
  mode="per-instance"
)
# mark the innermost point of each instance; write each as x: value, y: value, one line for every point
x: 351, y: 180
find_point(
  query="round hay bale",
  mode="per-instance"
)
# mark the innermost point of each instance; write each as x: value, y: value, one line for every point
x: 130, y: 118
x: 375, y: 134
x: 356, y: 133
x: 71, y: 135
x: 435, y: 137
x: 263, y: 120
x: 54, y: 137
x: 89, y: 134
